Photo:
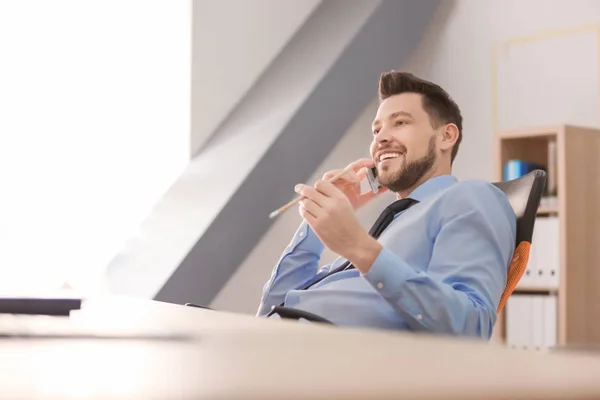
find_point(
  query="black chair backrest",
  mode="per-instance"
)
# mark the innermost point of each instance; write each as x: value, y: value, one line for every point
x: 524, y: 195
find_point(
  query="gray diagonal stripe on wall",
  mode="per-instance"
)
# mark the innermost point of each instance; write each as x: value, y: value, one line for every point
x: 385, y: 41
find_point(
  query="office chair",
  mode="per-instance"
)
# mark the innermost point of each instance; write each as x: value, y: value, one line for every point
x: 524, y: 195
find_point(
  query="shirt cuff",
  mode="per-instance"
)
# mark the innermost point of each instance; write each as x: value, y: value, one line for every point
x: 389, y: 274
x: 307, y: 240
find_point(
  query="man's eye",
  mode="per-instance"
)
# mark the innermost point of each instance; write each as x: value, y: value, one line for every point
x: 398, y: 123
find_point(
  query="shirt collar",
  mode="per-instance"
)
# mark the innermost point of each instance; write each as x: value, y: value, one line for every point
x: 432, y: 186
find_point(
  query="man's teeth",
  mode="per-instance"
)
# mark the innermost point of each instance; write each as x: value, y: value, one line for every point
x: 388, y: 155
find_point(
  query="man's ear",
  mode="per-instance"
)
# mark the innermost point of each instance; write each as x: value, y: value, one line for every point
x: 449, y: 136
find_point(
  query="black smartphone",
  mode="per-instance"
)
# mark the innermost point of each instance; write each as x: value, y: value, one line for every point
x: 373, y: 180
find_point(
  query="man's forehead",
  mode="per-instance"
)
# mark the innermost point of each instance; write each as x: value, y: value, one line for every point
x: 407, y: 104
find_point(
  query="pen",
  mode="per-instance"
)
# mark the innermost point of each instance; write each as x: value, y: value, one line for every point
x: 297, y: 200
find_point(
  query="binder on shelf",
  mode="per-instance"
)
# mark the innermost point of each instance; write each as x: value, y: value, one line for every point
x: 550, y: 321
x: 537, y: 322
x: 518, y: 315
x: 547, y: 251
x: 543, y: 266
x: 527, y: 280
x: 514, y: 169
x: 550, y: 199
x: 512, y: 310
x: 531, y: 321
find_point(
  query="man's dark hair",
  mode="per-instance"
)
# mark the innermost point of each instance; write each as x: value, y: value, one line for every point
x: 436, y: 102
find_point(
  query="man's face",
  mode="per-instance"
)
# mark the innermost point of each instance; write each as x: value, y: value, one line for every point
x: 404, y: 144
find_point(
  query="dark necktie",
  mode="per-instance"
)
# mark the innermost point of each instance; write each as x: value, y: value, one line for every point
x: 386, y: 218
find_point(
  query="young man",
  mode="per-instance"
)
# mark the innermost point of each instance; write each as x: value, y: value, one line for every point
x: 440, y: 266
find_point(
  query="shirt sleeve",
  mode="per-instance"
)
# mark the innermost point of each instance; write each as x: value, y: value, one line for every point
x: 461, y: 288
x: 297, y: 267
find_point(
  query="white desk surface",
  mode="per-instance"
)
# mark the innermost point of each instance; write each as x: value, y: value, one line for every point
x: 242, y: 357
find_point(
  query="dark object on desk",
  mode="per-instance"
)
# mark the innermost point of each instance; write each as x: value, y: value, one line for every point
x: 45, y: 327
x: 293, y: 313
x: 54, y: 306
x: 197, y: 306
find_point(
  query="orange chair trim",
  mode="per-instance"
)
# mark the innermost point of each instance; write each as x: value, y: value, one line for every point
x: 517, y: 267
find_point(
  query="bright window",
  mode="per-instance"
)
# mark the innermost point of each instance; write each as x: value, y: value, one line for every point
x: 94, y: 128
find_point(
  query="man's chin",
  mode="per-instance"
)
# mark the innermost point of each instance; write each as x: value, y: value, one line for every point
x: 385, y: 178
x: 391, y: 165
x: 387, y: 171
x: 384, y: 170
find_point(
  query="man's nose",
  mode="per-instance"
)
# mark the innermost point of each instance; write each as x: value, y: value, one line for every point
x: 382, y: 136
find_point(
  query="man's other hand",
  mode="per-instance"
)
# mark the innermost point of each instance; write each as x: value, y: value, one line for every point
x: 330, y: 214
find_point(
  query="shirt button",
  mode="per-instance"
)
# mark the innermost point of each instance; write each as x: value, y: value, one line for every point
x: 419, y: 317
x: 301, y: 234
x: 379, y: 285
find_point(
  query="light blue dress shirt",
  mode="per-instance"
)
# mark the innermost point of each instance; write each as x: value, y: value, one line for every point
x: 442, y: 269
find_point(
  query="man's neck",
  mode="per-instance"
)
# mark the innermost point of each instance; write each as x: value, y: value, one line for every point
x: 432, y: 173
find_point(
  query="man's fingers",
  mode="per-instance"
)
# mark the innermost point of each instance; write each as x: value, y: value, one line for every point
x: 361, y: 163
x: 366, y: 197
x: 311, y: 207
x: 306, y: 215
x: 330, y: 174
x: 311, y: 193
x: 362, y: 174
x: 355, y: 174
x: 349, y: 177
x: 327, y: 188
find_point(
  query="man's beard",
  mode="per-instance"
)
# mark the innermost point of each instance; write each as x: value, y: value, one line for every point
x: 410, y: 173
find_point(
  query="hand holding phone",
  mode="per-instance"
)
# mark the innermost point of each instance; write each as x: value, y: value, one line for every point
x: 349, y: 183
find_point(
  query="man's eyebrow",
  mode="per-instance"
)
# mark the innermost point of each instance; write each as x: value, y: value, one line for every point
x: 400, y: 114
x: 395, y: 115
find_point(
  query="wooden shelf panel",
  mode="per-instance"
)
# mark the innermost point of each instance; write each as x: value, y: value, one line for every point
x: 547, y: 211
x: 535, y: 289
x: 548, y: 131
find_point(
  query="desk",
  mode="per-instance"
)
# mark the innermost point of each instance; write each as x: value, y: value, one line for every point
x: 237, y: 357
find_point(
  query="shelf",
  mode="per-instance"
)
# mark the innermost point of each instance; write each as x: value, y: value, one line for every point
x: 546, y: 131
x: 535, y: 289
x: 547, y: 211
x: 534, y: 132
x: 573, y: 163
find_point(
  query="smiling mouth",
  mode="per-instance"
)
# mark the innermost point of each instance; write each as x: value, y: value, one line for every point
x: 388, y: 156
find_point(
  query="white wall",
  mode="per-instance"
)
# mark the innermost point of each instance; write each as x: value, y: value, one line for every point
x: 539, y: 81
x: 234, y: 41
x: 544, y: 81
